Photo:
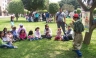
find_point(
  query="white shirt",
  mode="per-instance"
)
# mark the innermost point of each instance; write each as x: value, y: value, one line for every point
x: 37, y: 34
x: 50, y: 31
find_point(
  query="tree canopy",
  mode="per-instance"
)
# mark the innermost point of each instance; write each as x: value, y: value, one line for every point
x: 16, y: 7
x: 69, y: 8
x: 32, y: 5
x: 69, y: 2
x: 53, y: 8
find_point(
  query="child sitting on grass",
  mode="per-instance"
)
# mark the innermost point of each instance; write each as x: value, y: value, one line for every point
x: 47, y: 32
x: 59, y: 36
x: 37, y: 33
x: 30, y: 35
x: 5, y: 44
x: 22, y: 35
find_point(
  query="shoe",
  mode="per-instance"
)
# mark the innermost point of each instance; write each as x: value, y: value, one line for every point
x: 15, y: 47
x: 78, y: 53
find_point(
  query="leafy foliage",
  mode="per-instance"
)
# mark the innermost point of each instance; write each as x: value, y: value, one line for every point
x: 32, y: 5
x: 68, y: 8
x: 16, y: 7
x: 78, y: 10
x: 69, y: 2
x: 42, y: 11
x: 53, y: 8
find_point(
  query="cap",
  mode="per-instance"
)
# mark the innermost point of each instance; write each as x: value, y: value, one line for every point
x: 21, y: 25
x: 76, y: 16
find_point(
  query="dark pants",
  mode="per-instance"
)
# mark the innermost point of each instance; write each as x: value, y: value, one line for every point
x: 61, y: 24
x: 7, y: 46
x: 48, y: 37
x: 36, y: 19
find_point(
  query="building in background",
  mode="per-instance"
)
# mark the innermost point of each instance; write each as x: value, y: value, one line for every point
x: 3, y: 7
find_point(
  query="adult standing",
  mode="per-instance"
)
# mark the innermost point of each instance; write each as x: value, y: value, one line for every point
x: 12, y: 21
x: 78, y: 38
x: 36, y: 17
x: 60, y: 19
x: 47, y: 17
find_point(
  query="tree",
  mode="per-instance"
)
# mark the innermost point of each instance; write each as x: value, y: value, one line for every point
x: 69, y: 2
x: 69, y: 8
x: 78, y: 10
x: 0, y: 11
x: 53, y: 8
x: 33, y: 5
x: 92, y: 26
x: 16, y: 7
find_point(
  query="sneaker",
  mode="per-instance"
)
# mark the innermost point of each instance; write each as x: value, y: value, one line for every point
x: 15, y: 47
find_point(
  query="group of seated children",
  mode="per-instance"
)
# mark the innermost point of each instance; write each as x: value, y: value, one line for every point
x: 6, y: 40
x: 67, y: 36
x: 8, y: 37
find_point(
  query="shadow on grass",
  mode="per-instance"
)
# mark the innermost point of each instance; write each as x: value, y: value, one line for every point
x: 43, y: 49
x: 89, y: 51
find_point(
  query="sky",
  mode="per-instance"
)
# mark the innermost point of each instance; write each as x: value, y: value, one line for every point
x: 55, y: 1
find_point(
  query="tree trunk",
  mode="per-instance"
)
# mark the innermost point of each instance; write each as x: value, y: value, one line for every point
x: 88, y: 35
x: 16, y: 18
x: 54, y: 18
x: 87, y: 38
x: 16, y: 15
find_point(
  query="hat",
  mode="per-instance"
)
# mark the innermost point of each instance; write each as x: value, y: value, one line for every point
x: 76, y: 16
x: 21, y: 25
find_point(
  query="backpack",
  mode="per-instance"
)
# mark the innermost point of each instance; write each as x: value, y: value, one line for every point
x: 78, y: 27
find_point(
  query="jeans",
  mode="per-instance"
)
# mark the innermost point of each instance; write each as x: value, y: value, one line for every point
x: 31, y: 39
x: 36, y: 38
x: 61, y: 24
x: 7, y: 46
x: 48, y: 37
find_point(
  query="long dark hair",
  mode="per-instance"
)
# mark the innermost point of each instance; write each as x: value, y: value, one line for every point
x: 30, y: 32
x: 37, y: 28
x: 46, y: 26
x: 22, y: 30
x: 4, y: 29
x: 1, y: 33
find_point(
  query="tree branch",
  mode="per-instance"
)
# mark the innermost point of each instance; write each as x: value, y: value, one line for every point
x: 82, y: 5
x: 93, y: 6
x: 93, y: 27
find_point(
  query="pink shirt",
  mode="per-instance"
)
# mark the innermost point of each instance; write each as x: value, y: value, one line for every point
x: 59, y: 33
x: 30, y: 36
x: 22, y: 35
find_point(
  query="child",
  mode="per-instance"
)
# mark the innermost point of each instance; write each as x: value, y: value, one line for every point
x: 12, y: 20
x: 15, y: 34
x: 22, y: 35
x: 30, y: 35
x: 5, y: 30
x: 47, y: 32
x: 68, y: 34
x: 9, y: 34
x: 6, y: 39
x: 37, y: 33
x: 59, y: 36
x: 4, y: 44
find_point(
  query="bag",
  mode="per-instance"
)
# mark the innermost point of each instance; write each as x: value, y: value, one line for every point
x: 57, y: 16
x: 78, y: 27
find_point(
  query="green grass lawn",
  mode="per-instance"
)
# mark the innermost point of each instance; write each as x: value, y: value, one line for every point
x: 44, y: 48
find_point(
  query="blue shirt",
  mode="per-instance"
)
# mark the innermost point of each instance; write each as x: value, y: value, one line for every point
x: 60, y: 16
x: 36, y: 15
x: 47, y: 15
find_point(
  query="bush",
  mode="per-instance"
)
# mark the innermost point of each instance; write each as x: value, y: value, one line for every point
x: 78, y: 11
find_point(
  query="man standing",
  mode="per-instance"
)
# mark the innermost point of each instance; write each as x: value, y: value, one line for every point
x: 78, y: 38
x: 60, y: 19
x: 47, y: 17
